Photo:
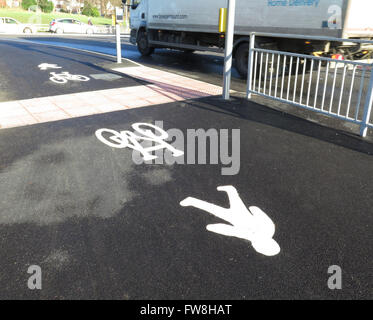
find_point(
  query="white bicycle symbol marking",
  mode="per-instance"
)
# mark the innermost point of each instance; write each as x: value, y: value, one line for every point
x: 128, y: 139
x: 65, y: 76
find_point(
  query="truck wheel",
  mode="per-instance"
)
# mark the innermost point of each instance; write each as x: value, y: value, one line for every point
x: 241, y: 59
x: 143, y: 44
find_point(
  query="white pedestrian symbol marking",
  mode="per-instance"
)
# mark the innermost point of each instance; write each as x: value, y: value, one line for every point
x: 45, y: 66
x: 126, y: 138
x: 65, y: 76
x: 253, y: 224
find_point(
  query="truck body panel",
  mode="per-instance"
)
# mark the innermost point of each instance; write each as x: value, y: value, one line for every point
x: 194, y: 25
x: 308, y: 17
x: 359, y: 21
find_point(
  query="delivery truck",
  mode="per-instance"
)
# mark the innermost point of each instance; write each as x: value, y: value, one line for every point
x: 191, y: 25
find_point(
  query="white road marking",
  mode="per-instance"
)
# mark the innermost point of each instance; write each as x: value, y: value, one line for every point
x: 128, y: 139
x: 253, y: 224
x: 45, y: 66
x: 65, y: 76
x: 105, y: 76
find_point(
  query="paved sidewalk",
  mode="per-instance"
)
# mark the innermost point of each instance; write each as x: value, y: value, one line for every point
x: 164, y: 87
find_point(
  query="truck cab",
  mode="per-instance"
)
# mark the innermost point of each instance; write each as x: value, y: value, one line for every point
x: 138, y: 9
x: 138, y: 25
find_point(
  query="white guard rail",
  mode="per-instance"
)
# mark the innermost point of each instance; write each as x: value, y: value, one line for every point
x: 105, y: 29
x: 42, y: 27
x: 100, y: 29
x: 338, y: 88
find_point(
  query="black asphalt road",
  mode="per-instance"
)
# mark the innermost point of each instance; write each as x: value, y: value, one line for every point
x: 21, y: 78
x: 100, y: 226
x: 204, y: 66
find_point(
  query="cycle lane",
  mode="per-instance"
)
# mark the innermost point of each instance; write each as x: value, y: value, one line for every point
x: 30, y: 70
x: 67, y: 94
x: 101, y: 226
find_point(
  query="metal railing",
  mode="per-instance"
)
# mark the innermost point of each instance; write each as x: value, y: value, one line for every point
x: 337, y: 88
x: 42, y: 27
x: 105, y: 29
x: 99, y: 29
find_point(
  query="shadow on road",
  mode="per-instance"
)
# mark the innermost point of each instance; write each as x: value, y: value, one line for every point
x: 248, y: 110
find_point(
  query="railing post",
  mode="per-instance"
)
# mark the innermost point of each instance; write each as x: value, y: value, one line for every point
x: 229, y: 38
x: 367, y: 107
x: 250, y: 65
x: 118, y: 41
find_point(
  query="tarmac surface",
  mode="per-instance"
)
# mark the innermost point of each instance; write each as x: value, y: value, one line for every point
x: 205, y: 66
x: 102, y: 227
x: 21, y: 77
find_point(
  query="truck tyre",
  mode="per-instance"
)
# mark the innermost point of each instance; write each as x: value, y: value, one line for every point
x: 143, y: 44
x: 241, y: 59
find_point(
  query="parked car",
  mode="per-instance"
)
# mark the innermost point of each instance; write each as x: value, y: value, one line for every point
x: 10, y: 25
x: 70, y: 26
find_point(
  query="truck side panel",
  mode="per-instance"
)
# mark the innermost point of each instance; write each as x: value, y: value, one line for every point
x: 310, y: 17
x: 359, y: 19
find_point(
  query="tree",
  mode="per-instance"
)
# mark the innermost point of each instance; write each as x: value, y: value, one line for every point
x: 89, y: 10
x: 28, y: 3
x: 46, y: 6
x: 95, y: 12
